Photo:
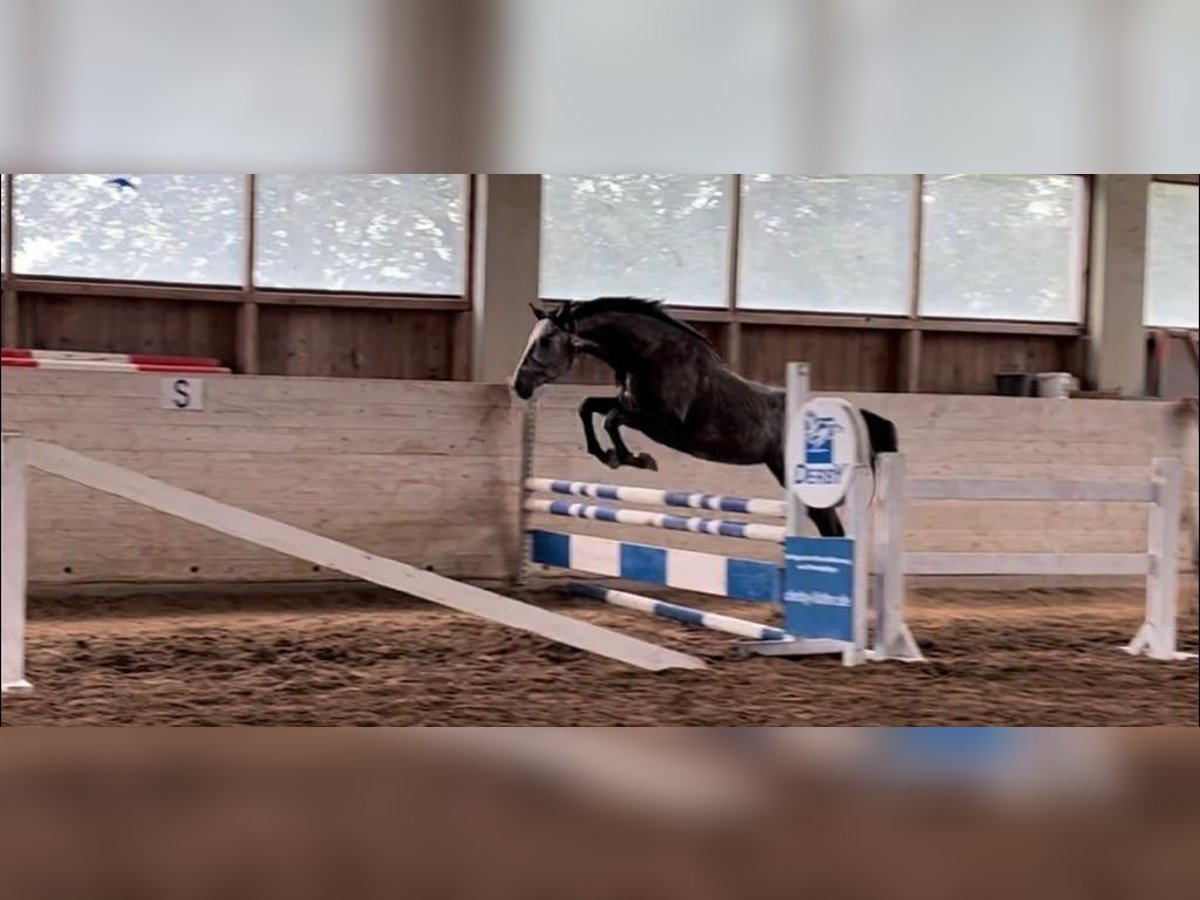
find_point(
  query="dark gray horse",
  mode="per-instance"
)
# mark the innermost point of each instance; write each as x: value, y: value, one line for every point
x: 674, y: 388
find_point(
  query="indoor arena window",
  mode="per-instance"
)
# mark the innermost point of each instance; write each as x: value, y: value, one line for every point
x: 174, y: 228
x: 656, y: 236
x: 1172, y: 255
x: 391, y: 233
x: 1002, y: 247
x: 826, y: 243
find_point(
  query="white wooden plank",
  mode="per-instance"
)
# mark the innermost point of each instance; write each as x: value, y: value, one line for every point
x: 1025, y: 489
x: 1026, y: 563
x: 334, y: 555
x: 13, y: 555
x: 263, y: 393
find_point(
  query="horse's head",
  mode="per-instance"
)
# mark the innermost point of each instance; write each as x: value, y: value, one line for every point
x: 549, y: 352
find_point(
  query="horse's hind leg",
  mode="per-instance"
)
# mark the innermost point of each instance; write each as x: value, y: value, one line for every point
x: 590, y: 407
x: 625, y: 457
x: 827, y: 522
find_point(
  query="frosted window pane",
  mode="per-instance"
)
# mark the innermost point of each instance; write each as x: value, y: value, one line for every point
x: 392, y: 233
x: 1001, y: 247
x: 657, y: 236
x: 181, y: 228
x: 3, y: 223
x: 1173, y: 256
x: 826, y: 243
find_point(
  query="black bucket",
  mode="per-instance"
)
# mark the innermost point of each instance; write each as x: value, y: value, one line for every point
x: 1014, y: 384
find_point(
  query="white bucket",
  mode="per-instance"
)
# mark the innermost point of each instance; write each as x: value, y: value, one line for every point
x: 1055, y: 384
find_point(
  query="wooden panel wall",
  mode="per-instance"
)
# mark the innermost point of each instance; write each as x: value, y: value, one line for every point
x: 966, y: 363
x: 128, y: 325
x: 427, y: 472
x: 361, y: 340
x: 346, y: 342
x: 871, y: 359
x: 419, y: 471
x: 356, y: 343
x: 842, y: 359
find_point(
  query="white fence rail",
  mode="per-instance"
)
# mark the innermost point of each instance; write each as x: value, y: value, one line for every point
x: 1163, y: 491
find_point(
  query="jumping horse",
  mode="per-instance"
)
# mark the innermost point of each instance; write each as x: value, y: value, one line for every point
x: 673, y: 387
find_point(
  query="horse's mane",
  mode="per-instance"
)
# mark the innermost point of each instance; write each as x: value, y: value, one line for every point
x: 574, y: 311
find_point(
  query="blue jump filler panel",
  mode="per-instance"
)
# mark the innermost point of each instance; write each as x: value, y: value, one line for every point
x: 727, y: 576
x: 818, y: 587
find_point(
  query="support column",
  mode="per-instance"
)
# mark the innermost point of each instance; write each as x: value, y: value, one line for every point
x: 1116, y: 287
x: 508, y: 236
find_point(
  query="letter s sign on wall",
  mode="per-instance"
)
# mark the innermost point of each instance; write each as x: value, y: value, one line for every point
x: 181, y: 393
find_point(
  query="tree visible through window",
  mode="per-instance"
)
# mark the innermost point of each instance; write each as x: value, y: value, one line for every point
x: 1002, y: 247
x: 181, y: 228
x: 657, y: 236
x: 395, y: 233
x: 1173, y: 256
x: 828, y: 243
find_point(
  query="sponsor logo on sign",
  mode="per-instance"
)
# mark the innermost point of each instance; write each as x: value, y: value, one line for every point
x: 825, y: 461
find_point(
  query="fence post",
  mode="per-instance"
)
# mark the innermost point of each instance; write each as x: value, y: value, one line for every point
x: 1157, y: 635
x: 525, y: 472
x: 858, y: 516
x: 13, y: 549
x: 893, y: 640
x: 797, y: 395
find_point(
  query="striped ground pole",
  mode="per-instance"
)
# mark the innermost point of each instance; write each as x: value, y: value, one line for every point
x: 754, y: 506
x: 691, y: 616
x: 751, y: 531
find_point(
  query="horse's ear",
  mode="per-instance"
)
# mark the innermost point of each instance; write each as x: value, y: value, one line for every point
x: 562, y: 316
x: 538, y: 312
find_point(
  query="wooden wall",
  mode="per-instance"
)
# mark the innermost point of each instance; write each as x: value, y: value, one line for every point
x: 873, y: 359
x: 356, y: 343
x: 966, y: 363
x: 420, y: 471
x: 427, y: 472
x: 364, y: 337
x: 354, y: 340
x: 842, y: 359
x: 128, y: 325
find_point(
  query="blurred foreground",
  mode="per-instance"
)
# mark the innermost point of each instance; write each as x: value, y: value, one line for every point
x: 543, y: 85
x: 561, y: 814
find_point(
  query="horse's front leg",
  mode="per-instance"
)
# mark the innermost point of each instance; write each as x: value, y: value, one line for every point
x: 590, y: 407
x: 625, y: 457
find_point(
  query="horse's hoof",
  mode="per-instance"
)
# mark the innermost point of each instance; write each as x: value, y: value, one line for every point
x: 644, y: 461
x: 611, y: 459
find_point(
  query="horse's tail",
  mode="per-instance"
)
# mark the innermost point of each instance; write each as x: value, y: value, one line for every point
x: 882, y: 438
